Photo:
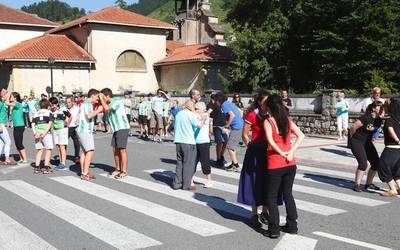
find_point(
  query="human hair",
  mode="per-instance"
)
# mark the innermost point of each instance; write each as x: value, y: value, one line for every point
x: 200, y: 106
x: 234, y: 98
x: 279, y: 113
x: 373, y: 105
x: 394, y: 109
x: 376, y: 89
x: 53, y: 100
x: 92, y: 92
x: 44, y: 104
x: 107, y: 92
x: 261, y: 94
x: 17, y: 96
x: 150, y: 95
x: 220, y: 97
x: 192, y: 92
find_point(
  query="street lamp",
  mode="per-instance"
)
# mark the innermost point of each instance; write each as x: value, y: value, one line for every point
x: 51, y: 62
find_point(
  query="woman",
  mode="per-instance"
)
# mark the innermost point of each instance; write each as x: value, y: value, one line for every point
x: 281, y: 165
x: 238, y: 102
x: 5, y: 141
x: 342, y: 115
x: 362, y: 147
x: 18, y: 119
x: 389, y: 164
x: 251, y: 183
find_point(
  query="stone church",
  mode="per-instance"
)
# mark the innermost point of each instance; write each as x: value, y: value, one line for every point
x: 113, y: 48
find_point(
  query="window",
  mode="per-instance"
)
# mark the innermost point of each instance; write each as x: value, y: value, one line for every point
x: 131, y: 60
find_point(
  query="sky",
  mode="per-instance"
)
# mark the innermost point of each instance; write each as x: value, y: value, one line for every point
x: 91, y: 5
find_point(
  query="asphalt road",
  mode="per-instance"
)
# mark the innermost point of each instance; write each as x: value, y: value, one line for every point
x: 59, y: 211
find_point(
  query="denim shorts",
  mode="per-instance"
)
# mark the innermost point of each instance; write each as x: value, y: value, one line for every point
x: 220, y: 137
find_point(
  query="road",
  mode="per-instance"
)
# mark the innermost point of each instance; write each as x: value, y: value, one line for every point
x: 59, y: 211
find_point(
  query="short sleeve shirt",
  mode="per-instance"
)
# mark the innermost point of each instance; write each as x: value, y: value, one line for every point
x: 74, y: 111
x: 237, y: 122
x: 342, y: 107
x: 42, y: 119
x: 166, y: 108
x: 157, y: 104
x: 3, y: 113
x: 185, y: 124
x: 18, y: 115
x: 396, y: 127
x: 117, y: 115
x: 202, y: 135
x: 144, y: 108
x: 85, y: 125
x: 217, y: 115
x: 128, y: 105
x: 60, y: 119
x: 370, y: 124
x: 257, y: 126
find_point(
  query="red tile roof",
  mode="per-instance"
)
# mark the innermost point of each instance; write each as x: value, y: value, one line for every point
x: 172, y: 45
x: 116, y: 16
x: 59, y: 47
x: 197, y: 53
x: 12, y: 16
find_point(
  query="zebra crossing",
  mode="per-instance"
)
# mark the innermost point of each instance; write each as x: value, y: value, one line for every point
x: 14, y: 235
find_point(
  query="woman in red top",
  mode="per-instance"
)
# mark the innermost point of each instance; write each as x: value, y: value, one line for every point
x: 281, y: 165
x: 251, y: 183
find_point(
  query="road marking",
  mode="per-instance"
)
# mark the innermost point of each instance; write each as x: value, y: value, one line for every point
x: 296, y: 242
x: 301, y: 205
x: 176, y: 218
x: 330, y: 172
x: 350, y: 241
x: 90, y: 222
x: 316, y: 191
x: 15, y: 236
x: 197, y: 198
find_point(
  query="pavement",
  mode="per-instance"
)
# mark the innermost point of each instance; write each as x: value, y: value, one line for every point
x: 59, y: 211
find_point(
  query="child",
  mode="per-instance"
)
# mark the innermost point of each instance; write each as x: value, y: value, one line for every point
x: 144, y: 110
x: 85, y: 131
x: 60, y: 131
x: 41, y: 125
x: 120, y: 127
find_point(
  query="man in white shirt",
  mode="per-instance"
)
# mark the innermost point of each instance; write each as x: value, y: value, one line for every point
x: 73, y: 123
x: 376, y: 96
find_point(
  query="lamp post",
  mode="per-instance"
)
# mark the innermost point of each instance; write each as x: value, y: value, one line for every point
x: 51, y: 62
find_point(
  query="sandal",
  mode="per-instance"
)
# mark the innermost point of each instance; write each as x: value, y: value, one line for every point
x: 115, y: 173
x: 36, y: 170
x: 91, y: 176
x: 85, y: 177
x: 9, y: 163
x: 47, y: 170
x: 121, y: 175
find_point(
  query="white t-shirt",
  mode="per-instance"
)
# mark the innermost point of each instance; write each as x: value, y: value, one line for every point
x: 74, y: 111
x: 369, y: 100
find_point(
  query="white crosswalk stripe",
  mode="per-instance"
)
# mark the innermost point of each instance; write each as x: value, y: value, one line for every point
x: 317, y: 191
x: 296, y: 242
x: 301, y: 205
x: 17, y: 237
x: 90, y: 222
x: 178, y: 219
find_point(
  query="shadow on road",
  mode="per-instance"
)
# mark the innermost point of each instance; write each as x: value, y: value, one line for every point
x: 338, y: 152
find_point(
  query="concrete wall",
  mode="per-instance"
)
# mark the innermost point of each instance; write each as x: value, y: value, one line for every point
x: 178, y: 77
x: 11, y: 35
x: 24, y: 80
x: 108, y: 42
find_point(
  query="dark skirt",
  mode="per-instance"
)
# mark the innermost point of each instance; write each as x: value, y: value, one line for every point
x: 251, y: 183
x: 389, y: 165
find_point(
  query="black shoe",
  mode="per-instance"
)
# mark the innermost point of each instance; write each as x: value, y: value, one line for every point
x: 231, y: 167
x: 253, y: 222
x: 264, y: 218
x: 372, y: 187
x: 272, y: 234
x: 289, y: 230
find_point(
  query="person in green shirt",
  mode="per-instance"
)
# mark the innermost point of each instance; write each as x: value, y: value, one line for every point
x: 5, y: 142
x: 18, y: 119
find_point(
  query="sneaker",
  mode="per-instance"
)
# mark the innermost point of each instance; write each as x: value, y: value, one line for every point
x: 272, y: 234
x: 254, y: 222
x: 372, y: 187
x: 77, y: 160
x: 61, y: 167
x: 357, y: 188
x: 23, y: 163
x: 289, y: 230
x: 208, y: 184
x: 264, y: 218
x: 230, y: 168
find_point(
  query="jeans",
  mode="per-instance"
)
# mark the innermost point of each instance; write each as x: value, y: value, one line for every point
x: 275, y: 179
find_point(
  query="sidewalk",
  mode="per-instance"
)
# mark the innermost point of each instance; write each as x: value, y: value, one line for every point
x: 328, y: 152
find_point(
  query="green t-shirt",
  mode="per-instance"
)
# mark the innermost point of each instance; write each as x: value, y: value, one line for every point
x: 18, y: 115
x: 3, y: 113
x: 117, y: 115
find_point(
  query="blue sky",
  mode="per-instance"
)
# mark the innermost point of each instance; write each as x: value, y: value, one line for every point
x: 91, y: 5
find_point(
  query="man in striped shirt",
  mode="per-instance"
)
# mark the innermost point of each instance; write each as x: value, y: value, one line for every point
x: 85, y: 131
x: 120, y: 126
x: 144, y: 111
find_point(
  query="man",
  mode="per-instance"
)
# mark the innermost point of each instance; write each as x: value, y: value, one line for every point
x: 85, y: 131
x: 25, y: 110
x: 144, y: 111
x: 120, y: 127
x: 31, y: 109
x: 166, y: 109
x: 234, y: 124
x: 286, y: 100
x: 43, y: 97
x: 157, y: 106
x: 376, y: 96
x: 72, y: 125
x: 186, y: 153
x: 194, y: 96
x: 218, y: 123
x: 128, y: 108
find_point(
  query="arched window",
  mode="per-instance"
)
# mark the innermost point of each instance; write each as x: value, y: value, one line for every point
x: 131, y: 60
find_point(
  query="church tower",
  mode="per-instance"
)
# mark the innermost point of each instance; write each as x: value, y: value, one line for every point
x: 196, y: 23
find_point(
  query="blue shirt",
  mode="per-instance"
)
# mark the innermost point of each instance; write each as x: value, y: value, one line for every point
x: 237, y: 122
x: 32, y: 107
x: 175, y: 111
x: 342, y: 107
x: 202, y: 134
x: 185, y: 123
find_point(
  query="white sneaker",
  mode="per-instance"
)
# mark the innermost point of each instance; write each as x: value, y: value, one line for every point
x: 23, y: 163
x: 208, y: 184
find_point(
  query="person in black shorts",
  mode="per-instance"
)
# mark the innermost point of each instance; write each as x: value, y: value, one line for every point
x: 389, y: 164
x: 362, y: 147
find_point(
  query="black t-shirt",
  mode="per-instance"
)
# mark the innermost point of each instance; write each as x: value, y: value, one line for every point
x: 370, y: 124
x: 217, y: 115
x: 239, y: 105
x: 288, y: 102
x: 396, y: 127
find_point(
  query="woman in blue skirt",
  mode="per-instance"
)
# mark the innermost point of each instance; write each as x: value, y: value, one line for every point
x: 251, y: 183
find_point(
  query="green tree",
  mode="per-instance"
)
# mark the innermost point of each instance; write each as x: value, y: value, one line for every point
x: 121, y: 3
